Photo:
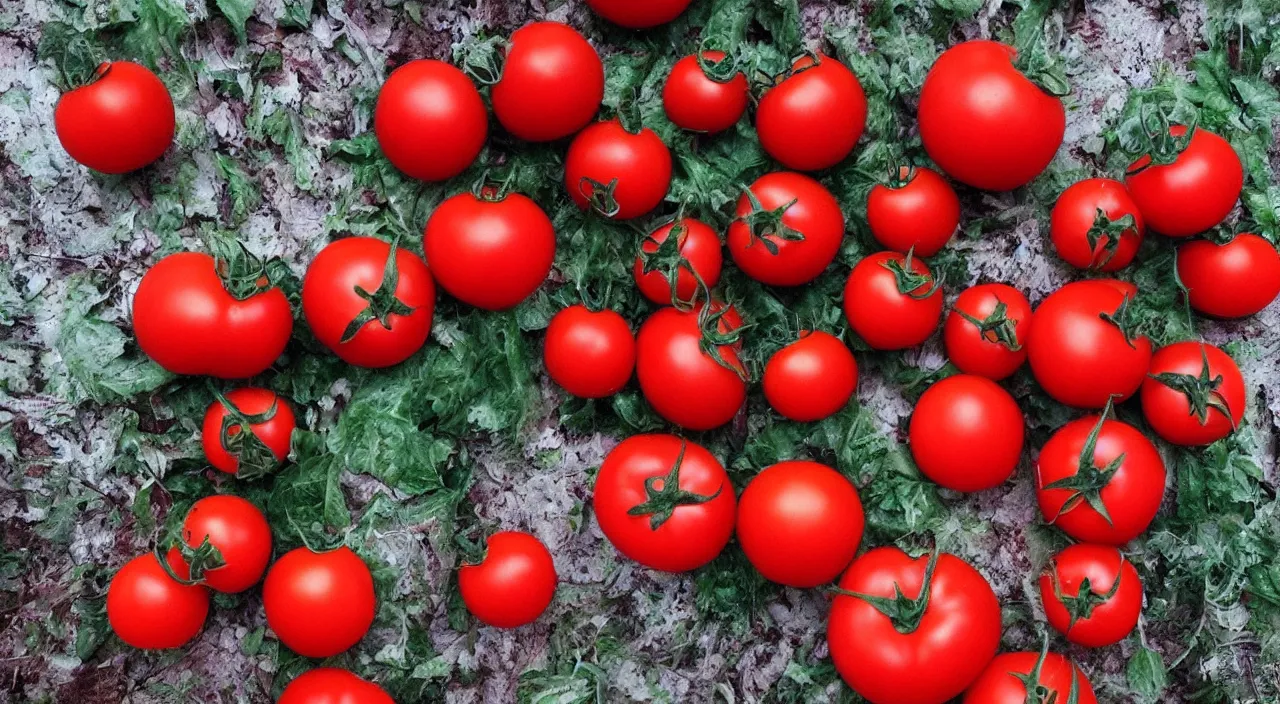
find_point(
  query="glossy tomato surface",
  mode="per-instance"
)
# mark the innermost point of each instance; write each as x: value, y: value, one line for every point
x: 1004, y: 681
x: 1195, y: 192
x: 1194, y: 394
x: 811, y: 378
x: 1095, y: 210
x: 793, y: 234
x: 1232, y: 280
x: 589, y: 354
x: 319, y: 604
x: 514, y: 583
x: 696, y: 250
x: 240, y: 534
x: 120, y: 122
x: 812, y: 118
x: 684, y: 384
x: 921, y: 211
x: 149, y: 609
x: 331, y: 685
x: 429, y: 120
x: 638, y: 15
x: 275, y: 432
x: 620, y: 174
x: 986, y: 331
x: 890, y: 304
x: 1092, y: 595
x: 699, y: 99
x: 966, y: 433
x: 552, y: 83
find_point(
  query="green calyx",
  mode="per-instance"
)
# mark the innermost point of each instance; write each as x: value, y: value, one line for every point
x: 664, y: 495
x: 763, y: 224
x: 1122, y: 318
x: 1037, y: 693
x: 909, y: 280
x: 1161, y: 146
x: 199, y: 560
x: 1108, y: 233
x: 996, y: 327
x: 900, y: 175
x: 903, y: 612
x: 1202, y: 391
x: 764, y: 81
x: 253, y: 458
x: 722, y: 70
x: 243, y: 274
x: 1089, y: 480
x: 1081, y: 605
x: 667, y: 259
x: 382, y: 303
x: 713, y: 338
x: 600, y: 196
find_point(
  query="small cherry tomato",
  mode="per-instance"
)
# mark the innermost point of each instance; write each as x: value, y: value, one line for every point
x: 149, y: 609
x: 1016, y: 678
x: 247, y: 451
x: 319, y: 603
x: 811, y: 378
x: 787, y: 229
x: 1095, y: 225
x: 331, y: 685
x: 514, y: 583
x: 966, y: 433
x: 695, y: 250
x: 892, y: 302
x: 1092, y: 595
x: 120, y: 122
x: 238, y: 548
x: 688, y: 366
x: 813, y: 115
x: 986, y: 331
x: 429, y: 120
x: 552, y: 83
x: 638, y: 15
x: 589, y: 354
x: 1194, y: 394
x: 1232, y: 280
x: 918, y: 209
x: 620, y: 174
x: 1187, y: 185
x: 705, y: 92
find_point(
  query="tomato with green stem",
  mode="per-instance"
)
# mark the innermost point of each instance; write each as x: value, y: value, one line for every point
x: 1188, y: 181
x: 966, y: 433
x: 1092, y: 595
x: 429, y: 120
x: 590, y: 354
x: 1038, y: 678
x: 1232, y: 280
x: 705, y: 92
x: 787, y: 229
x: 247, y: 431
x: 513, y: 584
x: 226, y: 544
x: 552, y: 83
x: 121, y: 121
x: 688, y: 366
x: 892, y: 301
x: 812, y: 114
x: 668, y: 269
x: 1194, y: 394
x: 332, y: 685
x: 811, y: 378
x: 986, y: 331
x: 916, y: 210
x: 1095, y: 225
x: 149, y: 609
x: 618, y: 173
x: 319, y: 604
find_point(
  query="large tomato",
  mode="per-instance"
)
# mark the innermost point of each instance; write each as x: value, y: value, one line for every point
x: 916, y: 209
x: 664, y: 502
x: 813, y: 114
x: 430, y: 120
x: 984, y: 122
x: 664, y: 264
x: 892, y: 302
x: 966, y: 433
x: 909, y: 630
x: 638, y: 15
x: 1194, y: 394
x: 786, y: 230
x: 371, y: 308
x: 331, y: 685
x: 552, y: 83
x: 591, y: 354
x: 514, y: 583
x: 147, y: 608
x: 705, y: 92
x: 1232, y: 280
x: 192, y: 316
x: 1039, y: 678
x: 120, y: 122
x: 800, y: 523
x: 986, y: 331
x: 618, y: 173
x: 1092, y: 595
x: 319, y: 603
x: 1084, y: 348
x: 247, y: 431
x: 490, y: 251
x: 1186, y: 185
x: 226, y: 543
x: 811, y: 378
x: 1095, y: 225
x: 678, y: 370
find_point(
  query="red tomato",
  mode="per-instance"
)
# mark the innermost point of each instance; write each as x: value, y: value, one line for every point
x: 552, y: 83
x: 239, y: 544
x: 430, y: 120
x: 918, y: 209
x: 1232, y: 280
x: 984, y: 122
x: 331, y: 685
x: 945, y: 631
x: 638, y: 15
x: 695, y: 250
x: 810, y: 378
x: 705, y: 93
x: 1091, y: 595
x: 813, y: 114
x: 621, y: 175
x: 1095, y: 225
x: 319, y: 603
x: 1194, y: 394
x: 800, y: 523
x: 149, y: 609
x: 1016, y: 678
x: 490, y: 251
x: 589, y: 354
x: 371, y: 309
x: 187, y: 320
x: 224, y: 446
x: 1084, y: 348
x: 678, y: 375
x: 1188, y: 186
x: 786, y: 230
x: 664, y: 502
x: 1099, y: 480
x: 986, y: 330
x: 513, y: 585
x: 120, y: 122
x: 966, y: 433
x: 892, y: 302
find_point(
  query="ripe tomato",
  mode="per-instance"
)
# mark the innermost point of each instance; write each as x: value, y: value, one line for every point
x: 430, y: 120
x: 813, y: 114
x: 149, y: 609
x: 1099, y: 480
x: 664, y: 502
x: 552, y: 83
x: 514, y: 583
x: 800, y: 523
x: 1092, y: 595
x: 620, y: 174
x: 1194, y: 394
x: 966, y: 433
x: 986, y: 331
x: 678, y: 374
x: 266, y: 444
x: 1186, y: 186
x: 589, y: 354
x: 984, y: 122
x: 892, y: 302
x: 638, y: 15
x: 1232, y: 280
x: 1084, y: 348
x: 1095, y: 225
x: 810, y: 378
x: 319, y: 603
x: 190, y: 320
x: 917, y: 209
x: 705, y: 92
x: 786, y: 230
x: 1018, y: 678
x: 695, y: 250
x: 909, y: 630
x: 370, y: 308
x: 120, y: 122
x: 490, y: 251
x: 239, y: 544
x: 331, y: 685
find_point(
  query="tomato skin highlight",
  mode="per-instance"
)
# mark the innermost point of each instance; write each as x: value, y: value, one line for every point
x: 638, y: 15
x: 276, y: 433
x: 998, y: 685
x: 694, y: 101
x: 815, y: 213
x: 814, y: 117
x: 699, y: 244
x: 800, y: 523
x: 811, y: 378
x: 319, y: 604
x: 682, y: 383
x: 430, y: 120
x: 548, y: 59
x: 1074, y: 214
x: 972, y: 350
x: 492, y: 254
x: 1194, y: 193
x: 120, y: 122
x: 148, y: 609
x: 1170, y: 413
x: 605, y: 151
x: 589, y: 354
x: 694, y: 534
x: 241, y: 534
x: 924, y: 213
x: 880, y: 314
x: 187, y: 322
x: 331, y: 685
x: 513, y: 585
x: 1233, y: 280
x: 966, y: 433
x: 1109, y: 622
x: 985, y: 123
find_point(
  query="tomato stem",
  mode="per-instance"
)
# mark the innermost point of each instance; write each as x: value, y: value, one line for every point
x: 253, y: 458
x: 1037, y: 693
x: 664, y: 495
x: 903, y: 612
x: 1089, y: 480
x: 1162, y: 147
x: 383, y: 302
x: 722, y: 70
x: 1107, y: 233
x: 996, y: 327
x: 762, y: 224
x: 1202, y: 391
x: 1122, y: 318
x: 1085, y: 600
x: 909, y: 280
x: 600, y: 196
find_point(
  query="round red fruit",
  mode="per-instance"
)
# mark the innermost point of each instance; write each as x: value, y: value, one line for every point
x: 429, y: 120
x: 149, y: 609
x: 986, y: 331
x: 696, y: 250
x: 589, y: 354
x: 319, y: 604
x: 552, y: 83
x: 514, y: 583
x: 1186, y: 186
x: 331, y: 685
x: 1092, y: 595
x: 787, y: 229
x: 1232, y: 280
x: 892, y: 302
x: 813, y: 115
x: 620, y: 174
x: 638, y: 15
x: 917, y: 209
x: 705, y: 92
x: 684, y: 383
x: 1052, y: 677
x: 239, y: 544
x: 1095, y: 225
x: 966, y: 433
x: 226, y: 440
x: 811, y: 378
x: 1194, y: 394
x: 120, y: 122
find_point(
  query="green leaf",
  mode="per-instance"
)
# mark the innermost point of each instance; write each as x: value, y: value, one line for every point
x: 307, y: 501
x: 237, y: 13
x: 242, y: 193
x: 154, y: 28
x: 1146, y: 673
